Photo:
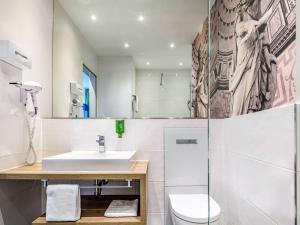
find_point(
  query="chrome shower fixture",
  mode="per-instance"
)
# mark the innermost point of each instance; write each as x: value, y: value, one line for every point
x: 161, y: 79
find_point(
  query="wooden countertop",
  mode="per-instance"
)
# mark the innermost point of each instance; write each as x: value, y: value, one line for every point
x: 35, y: 172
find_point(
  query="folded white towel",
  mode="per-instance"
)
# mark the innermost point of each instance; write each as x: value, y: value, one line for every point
x: 63, y: 203
x: 122, y: 208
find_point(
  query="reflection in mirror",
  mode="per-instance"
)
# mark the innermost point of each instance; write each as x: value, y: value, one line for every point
x: 130, y: 59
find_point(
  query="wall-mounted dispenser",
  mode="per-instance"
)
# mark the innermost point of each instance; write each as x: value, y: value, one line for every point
x: 120, y: 128
x: 12, y: 54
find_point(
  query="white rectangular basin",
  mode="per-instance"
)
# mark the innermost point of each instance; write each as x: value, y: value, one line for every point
x: 90, y: 161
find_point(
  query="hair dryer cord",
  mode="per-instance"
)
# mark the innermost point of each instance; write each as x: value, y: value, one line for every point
x: 31, y: 131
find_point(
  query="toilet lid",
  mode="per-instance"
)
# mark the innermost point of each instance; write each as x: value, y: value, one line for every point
x: 194, y: 207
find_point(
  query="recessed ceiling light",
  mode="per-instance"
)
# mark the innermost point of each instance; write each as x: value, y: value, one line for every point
x: 126, y: 45
x: 141, y: 18
x: 180, y: 63
x: 93, y: 17
x: 148, y: 63
x: 172, y: 45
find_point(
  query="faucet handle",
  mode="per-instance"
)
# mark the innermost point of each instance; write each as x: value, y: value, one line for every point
x: 101, y: 139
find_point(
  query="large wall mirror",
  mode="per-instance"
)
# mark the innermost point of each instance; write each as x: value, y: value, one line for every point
x: 130, y: 59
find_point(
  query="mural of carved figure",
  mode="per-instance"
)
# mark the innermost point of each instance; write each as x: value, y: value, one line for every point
x: 199, y: 104
x: 253, y: 84
x: 201, y: 90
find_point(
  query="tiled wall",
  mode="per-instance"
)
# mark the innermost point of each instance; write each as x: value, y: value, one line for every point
x: 144, y: 136
x: 163, y: 93
x: 253, y: 167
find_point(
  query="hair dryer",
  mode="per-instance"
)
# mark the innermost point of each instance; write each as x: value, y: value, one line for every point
x: 30, y: 88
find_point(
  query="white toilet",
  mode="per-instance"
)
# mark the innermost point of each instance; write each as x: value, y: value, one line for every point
x: 192, y: 209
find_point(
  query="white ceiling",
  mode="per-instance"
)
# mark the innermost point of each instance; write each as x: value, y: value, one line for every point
x: 166, y: 21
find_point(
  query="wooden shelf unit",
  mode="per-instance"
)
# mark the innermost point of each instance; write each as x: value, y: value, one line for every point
x: 93, y: 209
x: 89, y: 215
x: 94, y: 220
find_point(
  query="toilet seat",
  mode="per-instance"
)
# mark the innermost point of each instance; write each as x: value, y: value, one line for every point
x: 194, y: 208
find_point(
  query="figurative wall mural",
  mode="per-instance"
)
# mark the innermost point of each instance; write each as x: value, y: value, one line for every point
x: 200, y: 76
x: 253, y: 56
x: 254, y: 64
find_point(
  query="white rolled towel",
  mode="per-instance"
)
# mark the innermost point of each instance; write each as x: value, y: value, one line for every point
x: 122, y: 208
x: 63, y: 203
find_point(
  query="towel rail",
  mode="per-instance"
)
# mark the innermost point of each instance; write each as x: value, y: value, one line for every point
x: 104, y: 187
x: 45, y: 184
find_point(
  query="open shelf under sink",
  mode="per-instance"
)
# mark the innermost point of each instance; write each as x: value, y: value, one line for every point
x: 92, y: 213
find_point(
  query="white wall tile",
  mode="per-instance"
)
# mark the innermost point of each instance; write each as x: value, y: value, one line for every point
x: 269, y: 188
x: 85, y: 135
x: 216, y: 133
x: 149, y: 135
x: 56, y: 135
x: 252, y: 175
x: 156, y: 164
x: 156, y: 197
x: 242, y: 212
x: 197, y: 123
x: 64, y: 135
x: 155, y: 219
x: 267, y: 136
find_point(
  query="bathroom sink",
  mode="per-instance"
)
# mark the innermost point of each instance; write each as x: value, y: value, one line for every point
x: 90, y: 161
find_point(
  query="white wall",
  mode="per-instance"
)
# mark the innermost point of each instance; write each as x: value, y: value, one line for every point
x: 70, y: 50
x: 29, y: 25
x: 144, y: 136
x: 252, y: 167
x: 168, y: 100
x: 115, y: 86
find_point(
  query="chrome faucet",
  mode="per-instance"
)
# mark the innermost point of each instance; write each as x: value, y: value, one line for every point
x: 101, y: 143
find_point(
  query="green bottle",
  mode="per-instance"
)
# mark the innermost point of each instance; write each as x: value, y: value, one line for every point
x: 120, y: 128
